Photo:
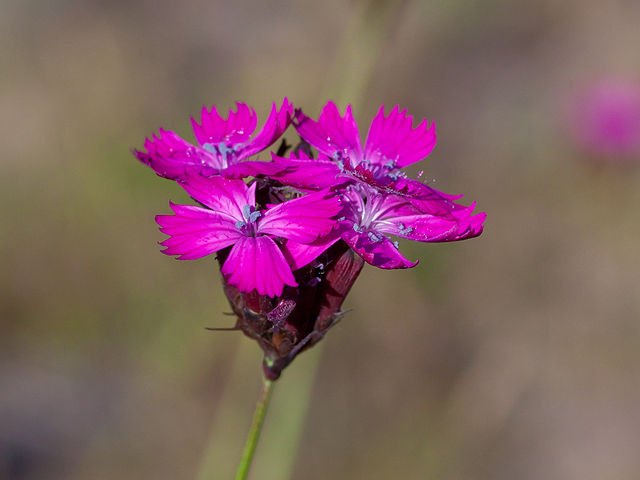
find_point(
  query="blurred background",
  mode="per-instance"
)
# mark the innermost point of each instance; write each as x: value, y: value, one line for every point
x: 511, y: 356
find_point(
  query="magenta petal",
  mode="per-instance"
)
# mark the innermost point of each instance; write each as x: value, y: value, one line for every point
x: 300, y: 254
x: 252, y: 168
x: 214, y: 129
x: 256, y: 263
x: 332, y: 134
x: 172, y: 157
x: 274, y: 127
x: 223, y: 195
x: 195, y: 232
x: 421, y: 228
x: 393, y: 139
x: 307, y: 173
x: 380, y: 253
x: 427, y: 199
x: 470, y: 226
x: 302, y: 219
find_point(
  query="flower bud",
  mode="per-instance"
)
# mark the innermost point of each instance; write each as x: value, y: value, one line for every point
x: 287, y: 325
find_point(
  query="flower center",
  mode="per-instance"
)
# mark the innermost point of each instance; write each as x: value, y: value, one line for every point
x: 248, y: 225
x: 226, y: 154
x: 372, y: 173
x: 365, y: 205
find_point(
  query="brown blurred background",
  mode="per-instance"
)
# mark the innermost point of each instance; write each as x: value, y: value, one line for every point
x: 510, y: 356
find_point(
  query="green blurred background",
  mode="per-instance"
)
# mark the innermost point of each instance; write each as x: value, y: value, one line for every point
x: 511, y: 356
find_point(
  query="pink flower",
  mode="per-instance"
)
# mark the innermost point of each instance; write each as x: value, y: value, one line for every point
x: 223, y: 144
x: 378, y: 199
x: 605, y: 119
x: 370, y: 217
x: 231, y: 219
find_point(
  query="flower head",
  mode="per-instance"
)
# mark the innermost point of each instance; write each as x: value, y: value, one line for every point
x: 230, y: 218
x: 223, y: 145
x: 293, y: 239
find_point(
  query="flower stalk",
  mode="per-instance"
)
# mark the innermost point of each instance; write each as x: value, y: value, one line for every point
x: 256, y: 428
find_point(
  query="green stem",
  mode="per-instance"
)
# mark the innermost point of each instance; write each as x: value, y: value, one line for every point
x: 256, y: 428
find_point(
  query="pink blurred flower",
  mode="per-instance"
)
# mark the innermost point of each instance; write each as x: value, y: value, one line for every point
x: 605, y: 119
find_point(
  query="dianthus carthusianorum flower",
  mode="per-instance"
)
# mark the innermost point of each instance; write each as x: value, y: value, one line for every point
x: 223, y: 144
x: 231, y: 219
x: 371, y: 217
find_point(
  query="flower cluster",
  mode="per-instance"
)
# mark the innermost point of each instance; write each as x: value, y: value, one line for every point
x: 292, y: 232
